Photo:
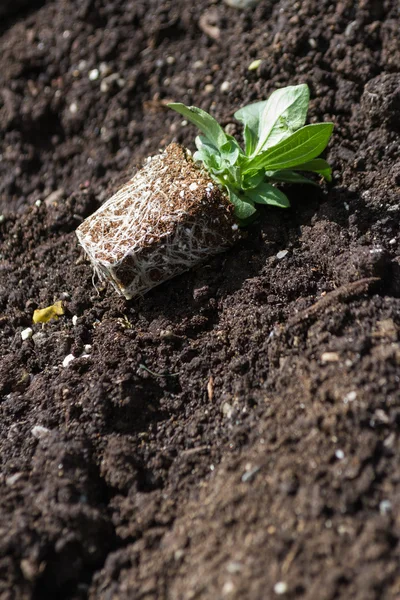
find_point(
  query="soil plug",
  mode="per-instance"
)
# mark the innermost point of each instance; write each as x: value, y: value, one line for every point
x: 178, y: 210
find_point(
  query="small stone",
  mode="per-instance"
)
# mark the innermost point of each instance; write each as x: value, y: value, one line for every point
x: 209, y: 88
x: 104, y: 69
x: 193, y: 187
x: 234, y: 567
x: 228, y: 588
x: 312, y: 43
x: 26, y: 333
x: 74, y: 320
x: 67, y: 360
x: 73, y: 108
x: 249, y: 474
x: 170, y: 60
x: 54, y: 197
x: 280, y: 588
x: 225, y: 87
x: 2, y: 218
x: 339, y: 454
x: 13, y: 479
x: 94, y: 74
x: 392, y: 241
x: 282, y: 254
x: 87, y: 348
x: 385, y: 507
x: 38, y: 203
x: 350, y: 397
x: 330, y: 357
x: 198, y: 64
x: 39, y: 431
x: 227, y: 410
x: 242, y: 3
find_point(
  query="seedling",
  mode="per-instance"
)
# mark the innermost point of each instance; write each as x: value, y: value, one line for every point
x: 178, y: 210
x: 278, y: 148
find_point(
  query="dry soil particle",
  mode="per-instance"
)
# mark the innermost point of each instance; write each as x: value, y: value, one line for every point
x: 235, y: 433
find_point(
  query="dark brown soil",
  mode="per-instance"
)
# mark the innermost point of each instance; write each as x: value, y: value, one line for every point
x: 238, y: 427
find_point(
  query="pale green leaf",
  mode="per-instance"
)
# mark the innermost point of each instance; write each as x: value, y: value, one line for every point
x: 205, y: 122
x: 265, y: 193
x: 250, y: 117
x: 243, y: 208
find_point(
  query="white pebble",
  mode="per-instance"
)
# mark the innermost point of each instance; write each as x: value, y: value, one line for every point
x: 68, y: 359
x: 94, y: 74
x: 74, y: 320
x: 104, y: 69
x: 2, y: 218
x: 170, y: 60
x: 330, y: 357
x: 228, y: 588
x: 26, y: 333
x: 39, y: 431
x: 193, y: 187
x: 225, y: 87
x: 209, y: 88
x: 87, y: 348
x: 280, y: 588
x: 339, y: 454
x: 282, y: 254
x: 182, y: 193
x: 73, y: 108
x: 385, y: 507
x: 13, y: 479
x: 392, y: 241
x: 235, y: 227
x: 350, y: 397
x: 39, y: 203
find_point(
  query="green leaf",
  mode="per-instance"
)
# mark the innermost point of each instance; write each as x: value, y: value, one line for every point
x: 266, y: 193
x: 243, y: 208
x: 250, y: 117
x: 284, y: 112
x: 302, y: 146
x: 207, y: 153
x: 318, y: 165
x: 230, y: 152
x: 205, y: 122
x: 252, y: 180
x: 287, y: 176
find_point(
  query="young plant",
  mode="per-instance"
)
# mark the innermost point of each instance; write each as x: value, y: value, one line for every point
x: 278, y: 148
x: 174, y: 213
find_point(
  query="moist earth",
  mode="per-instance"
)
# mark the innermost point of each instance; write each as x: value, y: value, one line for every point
x: 235, y: 432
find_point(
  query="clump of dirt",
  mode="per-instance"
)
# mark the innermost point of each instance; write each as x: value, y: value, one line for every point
x: 234, y: 434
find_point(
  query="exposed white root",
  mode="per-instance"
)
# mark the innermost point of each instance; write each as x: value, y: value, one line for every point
x: 165, y: 220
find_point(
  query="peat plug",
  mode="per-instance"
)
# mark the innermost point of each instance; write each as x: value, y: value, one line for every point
x: 169, y: 217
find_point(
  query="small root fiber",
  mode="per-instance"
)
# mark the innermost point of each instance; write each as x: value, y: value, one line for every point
x: 169, y: 217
